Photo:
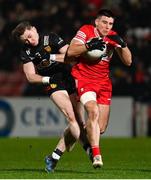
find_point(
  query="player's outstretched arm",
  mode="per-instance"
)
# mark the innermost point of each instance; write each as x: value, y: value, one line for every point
x: 76, y: 48
x: 32, y: 76
x: 30, y: 73
x: 121, y: 48
x: 125, y: 55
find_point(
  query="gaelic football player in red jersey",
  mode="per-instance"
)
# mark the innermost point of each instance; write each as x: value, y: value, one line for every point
x: 92, y: 80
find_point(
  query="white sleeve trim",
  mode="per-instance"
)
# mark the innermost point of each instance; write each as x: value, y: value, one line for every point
x: 79, y: 40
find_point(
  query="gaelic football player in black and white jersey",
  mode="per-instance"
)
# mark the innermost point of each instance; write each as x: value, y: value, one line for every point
x: 38, y: 55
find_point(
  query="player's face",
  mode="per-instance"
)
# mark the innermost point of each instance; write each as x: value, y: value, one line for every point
x: 104, y: 24
x: 30, y: 37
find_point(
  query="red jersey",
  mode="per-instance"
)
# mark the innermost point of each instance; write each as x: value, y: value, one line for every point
x: 97, y: 71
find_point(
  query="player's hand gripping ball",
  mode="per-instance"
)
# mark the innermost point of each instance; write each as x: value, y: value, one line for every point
x: 95, y: 54
x: 96, y: 48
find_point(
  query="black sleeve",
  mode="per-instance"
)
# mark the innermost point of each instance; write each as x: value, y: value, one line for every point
x: 25, y: 58
x: 56, y: 41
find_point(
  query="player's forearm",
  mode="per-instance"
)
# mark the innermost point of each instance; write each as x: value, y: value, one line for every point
x: 34, y: 78
x: 63, y: 59
x: 76, y: 50
x: 60, y: 57
x: 73, y: 51
x: 30, y: 73
x: 125, y: 55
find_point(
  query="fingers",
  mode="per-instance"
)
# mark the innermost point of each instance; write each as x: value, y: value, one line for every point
x: 116, y: 41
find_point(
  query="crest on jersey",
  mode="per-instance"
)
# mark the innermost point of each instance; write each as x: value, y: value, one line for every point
x: 53, y: 86
x: 50, y: 86
x: 47, y: 48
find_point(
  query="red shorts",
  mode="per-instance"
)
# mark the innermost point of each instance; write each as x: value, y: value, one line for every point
x: 102, y: 90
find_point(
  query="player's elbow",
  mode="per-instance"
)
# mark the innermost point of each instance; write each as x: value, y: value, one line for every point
x: 126, y: 56
x: 128, y: 61
x: 129, y: 64
x: 30, y: 78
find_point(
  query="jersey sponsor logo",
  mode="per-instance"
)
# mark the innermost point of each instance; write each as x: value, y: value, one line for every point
x: 28, y: 51
x: 60, y: 40
x: 46, y: 40
x: 82, y: 89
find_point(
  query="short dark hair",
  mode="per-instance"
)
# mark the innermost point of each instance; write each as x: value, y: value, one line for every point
x: 19, y: 30
x: 105, y: 12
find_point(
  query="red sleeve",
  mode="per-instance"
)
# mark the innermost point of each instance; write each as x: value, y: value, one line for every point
x: 82, y: 33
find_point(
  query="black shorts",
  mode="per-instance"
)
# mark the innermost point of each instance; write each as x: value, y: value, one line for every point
x: 61, y: 81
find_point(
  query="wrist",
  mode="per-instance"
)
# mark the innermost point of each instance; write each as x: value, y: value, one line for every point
x: 45, y: 80
x: 124, y: 45
x: 52, y: 57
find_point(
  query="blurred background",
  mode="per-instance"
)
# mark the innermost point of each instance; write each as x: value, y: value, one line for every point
x: 24, y: 108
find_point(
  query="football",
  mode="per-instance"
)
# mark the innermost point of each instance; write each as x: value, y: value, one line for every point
x: 95, y: 54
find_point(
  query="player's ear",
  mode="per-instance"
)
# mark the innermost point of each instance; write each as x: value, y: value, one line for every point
x: 34, y: 28
x: 96, y: 21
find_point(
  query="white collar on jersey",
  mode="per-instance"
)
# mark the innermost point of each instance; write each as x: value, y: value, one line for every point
x: 96, y: 32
